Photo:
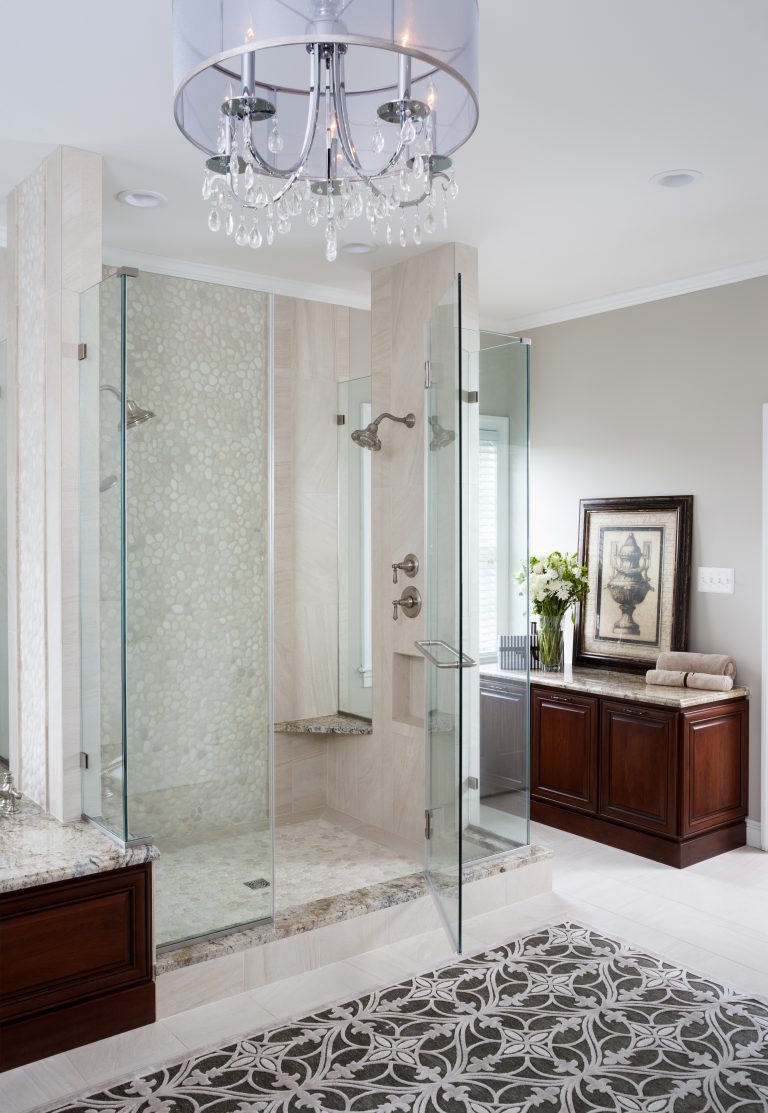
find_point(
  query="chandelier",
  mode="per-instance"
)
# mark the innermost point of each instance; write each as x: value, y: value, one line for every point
x: 328, y: 111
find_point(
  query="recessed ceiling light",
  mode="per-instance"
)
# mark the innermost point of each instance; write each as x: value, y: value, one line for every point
x: 676, y: 179
x: 359, y: 248
x: 141, y: 198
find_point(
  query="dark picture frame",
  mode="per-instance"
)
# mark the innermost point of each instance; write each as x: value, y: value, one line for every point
x: 638, y: 557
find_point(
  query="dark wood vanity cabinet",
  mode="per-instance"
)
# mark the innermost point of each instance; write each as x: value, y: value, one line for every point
x: 668, y: 784
x: 75, y: 963
x: 563, y: 749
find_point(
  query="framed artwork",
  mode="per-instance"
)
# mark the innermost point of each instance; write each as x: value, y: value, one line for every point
x: 638, y: 556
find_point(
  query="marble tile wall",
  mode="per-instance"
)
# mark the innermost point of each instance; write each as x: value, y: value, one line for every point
x: 54, y: 252
x: 381, y: 777
x: 301, y: 774
x: 311, y: 347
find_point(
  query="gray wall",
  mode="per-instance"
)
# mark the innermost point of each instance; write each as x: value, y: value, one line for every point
x: 664, y: 398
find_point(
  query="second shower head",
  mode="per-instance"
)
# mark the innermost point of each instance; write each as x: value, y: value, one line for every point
x: 369, y: 437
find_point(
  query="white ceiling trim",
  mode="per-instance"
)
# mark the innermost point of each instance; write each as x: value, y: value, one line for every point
x: 726, y: 277
x: 226, y: 276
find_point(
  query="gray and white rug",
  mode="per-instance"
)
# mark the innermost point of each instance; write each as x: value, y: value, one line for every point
x: 564, y: 1019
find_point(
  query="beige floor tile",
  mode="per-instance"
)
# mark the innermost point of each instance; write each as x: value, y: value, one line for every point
x: 316, y: 989
x: 25, y: 1088
x: 212, y: 1024
x: 127, y: 1053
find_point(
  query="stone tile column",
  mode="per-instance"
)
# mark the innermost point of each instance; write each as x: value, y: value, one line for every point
x: 54, y: 253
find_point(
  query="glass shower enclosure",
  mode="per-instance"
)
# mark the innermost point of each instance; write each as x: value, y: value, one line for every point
x: 477, y: 545
x: 175, y: 412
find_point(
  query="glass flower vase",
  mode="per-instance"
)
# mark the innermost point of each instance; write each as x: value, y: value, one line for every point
x: 551, y: 642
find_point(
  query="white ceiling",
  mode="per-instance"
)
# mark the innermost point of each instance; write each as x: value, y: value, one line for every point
x: 581, y: 102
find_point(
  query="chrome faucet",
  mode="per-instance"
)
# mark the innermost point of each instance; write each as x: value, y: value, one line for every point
x: 8, y: 795
x: 409, y: 565
x: 409, y: 602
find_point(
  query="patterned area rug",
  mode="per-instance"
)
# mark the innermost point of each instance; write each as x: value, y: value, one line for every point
x: 563, y: 1019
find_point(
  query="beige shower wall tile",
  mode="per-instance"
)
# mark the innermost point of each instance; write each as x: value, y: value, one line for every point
x: 315, y: 661
x: 310, y: 783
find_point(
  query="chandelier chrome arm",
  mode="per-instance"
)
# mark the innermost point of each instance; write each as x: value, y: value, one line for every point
x: 293, y: 172
x: 345, y: 137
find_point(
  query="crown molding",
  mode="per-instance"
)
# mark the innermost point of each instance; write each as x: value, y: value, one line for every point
x: 230, y: 276
x: 628, y: 298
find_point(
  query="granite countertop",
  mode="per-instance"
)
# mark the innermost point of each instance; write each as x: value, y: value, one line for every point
x: 617, y: 685
x: 341, y: 723
x: 35, y: 849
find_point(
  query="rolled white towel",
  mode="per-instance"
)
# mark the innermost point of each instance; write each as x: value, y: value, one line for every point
x: 718, y: 664
x: 672, y: 679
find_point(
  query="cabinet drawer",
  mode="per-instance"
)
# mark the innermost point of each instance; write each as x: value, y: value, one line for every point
x: 638, y: 767
x: 563, y: 749
x: 64, y: 942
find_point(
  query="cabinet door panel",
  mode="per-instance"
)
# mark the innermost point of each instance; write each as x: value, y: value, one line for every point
x: 638, y: 767
x: 502, y: 740
x: 563, y: 749
x: 714, y: 767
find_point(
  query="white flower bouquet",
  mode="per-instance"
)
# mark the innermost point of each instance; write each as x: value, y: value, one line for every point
x: 556, y: 582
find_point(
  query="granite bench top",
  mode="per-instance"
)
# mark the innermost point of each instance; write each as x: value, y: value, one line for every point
x: 616, y: 685
x: 341, y: 723
x: 36, y: 849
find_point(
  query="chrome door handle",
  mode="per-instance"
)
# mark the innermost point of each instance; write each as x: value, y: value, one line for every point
x: 462, y: 660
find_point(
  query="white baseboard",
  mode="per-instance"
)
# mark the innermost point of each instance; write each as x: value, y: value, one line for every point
x: 754, y: 834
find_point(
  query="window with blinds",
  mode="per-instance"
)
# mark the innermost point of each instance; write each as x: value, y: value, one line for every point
x: 493, y: 529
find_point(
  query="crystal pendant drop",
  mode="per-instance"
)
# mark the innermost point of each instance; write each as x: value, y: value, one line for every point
x: 221, y: 137
x: 207, y: 187
x: 313, y: 216
x: 445, y: 217
x: 405, y: 185
x: 453, y: 189
x: 241, y: 235
x: 249, y: 176
x: 270, y: 235
x: 214, y: 220
x: 261, y: 198
x: 417, y: 234
x: 403, y: 236
x: 229, y: 224
x: 377, y: 142
x: 408, y: 132
x: 275, y: 141
x: 250, y: 197
x: 255, y: 237
x: 389, y: 233
x: 330, y: 251
x: 429, y: 222
x: 283, y: 225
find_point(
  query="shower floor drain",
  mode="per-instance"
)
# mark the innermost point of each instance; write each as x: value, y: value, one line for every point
x: 259, y: 883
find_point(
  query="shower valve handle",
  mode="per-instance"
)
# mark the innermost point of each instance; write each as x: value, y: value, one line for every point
x: 409, y: 565
x: 409, y: 601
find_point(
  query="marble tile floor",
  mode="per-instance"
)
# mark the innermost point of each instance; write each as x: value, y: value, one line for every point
x: 200, y: 887
x: 712, y: 917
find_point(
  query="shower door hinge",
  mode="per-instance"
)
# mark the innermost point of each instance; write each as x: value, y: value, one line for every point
x: 83, y: 759
x: 341, y: 419
x: 473, y: 782
x: 427, y: 823
x: 82, y: 351
x: 427, y: 374
x: 471, y: 396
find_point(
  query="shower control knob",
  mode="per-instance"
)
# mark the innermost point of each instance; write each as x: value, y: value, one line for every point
x: 409, y: 565
x: 409, y: 602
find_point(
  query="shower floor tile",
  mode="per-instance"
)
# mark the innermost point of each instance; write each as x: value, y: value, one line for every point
x: 201, y: 887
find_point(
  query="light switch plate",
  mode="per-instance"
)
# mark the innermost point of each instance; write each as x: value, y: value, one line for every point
x: 716, y: 579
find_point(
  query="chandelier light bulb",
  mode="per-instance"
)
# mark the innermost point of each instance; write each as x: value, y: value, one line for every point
x: 342, y: 150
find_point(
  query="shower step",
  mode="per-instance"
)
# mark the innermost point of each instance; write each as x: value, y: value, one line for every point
x: 340, y: 723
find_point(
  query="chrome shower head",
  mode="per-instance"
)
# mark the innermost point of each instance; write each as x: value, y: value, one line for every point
x: 369, y: 437
x: 135, y: 414
x: 441, y: 437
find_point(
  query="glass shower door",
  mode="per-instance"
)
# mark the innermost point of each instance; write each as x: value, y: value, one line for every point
x: 443, y: 648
